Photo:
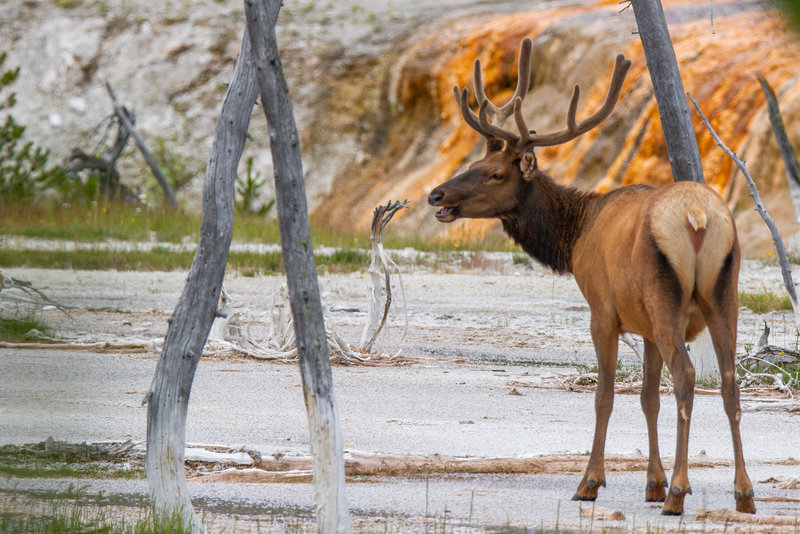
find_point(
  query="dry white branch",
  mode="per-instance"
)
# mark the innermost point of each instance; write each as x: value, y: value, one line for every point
x: 760, y: 365
x: 378, y: 309
x: 633, y: 343
x: 21, y: 294
x: 790, y: 406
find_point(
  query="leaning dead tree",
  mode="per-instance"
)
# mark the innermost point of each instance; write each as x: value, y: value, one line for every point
x: 777, y: 240
x: 257, y: 68
x: 784, y: 144
x: 326, y: 442
x: 121, y: 113
x: 168, y: 398
x: 105, y: 165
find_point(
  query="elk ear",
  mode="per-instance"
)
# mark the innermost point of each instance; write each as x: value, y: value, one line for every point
x: 527, y: 164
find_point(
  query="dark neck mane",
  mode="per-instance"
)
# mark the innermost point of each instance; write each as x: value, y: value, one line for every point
x: 548, y: 221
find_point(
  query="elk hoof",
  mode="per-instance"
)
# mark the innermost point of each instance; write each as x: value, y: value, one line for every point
x: 655, y: 492
x: 745, y: 504
x: 589, y: 497
x: 673, y: 504
x: 588, y: 491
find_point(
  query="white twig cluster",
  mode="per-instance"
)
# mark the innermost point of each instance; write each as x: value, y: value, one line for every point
x: 236, y: 333
x: 380, y: 292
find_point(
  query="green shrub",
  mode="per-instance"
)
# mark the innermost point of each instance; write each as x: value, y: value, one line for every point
x: 248, y: 190
x: 25, y: 175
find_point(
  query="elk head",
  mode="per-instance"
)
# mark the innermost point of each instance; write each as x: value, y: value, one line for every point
x: 493, y: 186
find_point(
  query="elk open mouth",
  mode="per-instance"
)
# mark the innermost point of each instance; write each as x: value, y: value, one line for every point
x: 447, y: 214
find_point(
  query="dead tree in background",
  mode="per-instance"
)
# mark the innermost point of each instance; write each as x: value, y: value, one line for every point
x: 784, y: 145
x: 104, y: 166
x: 676, y: 121
x: 121, y: 113
x: 327, y: 445
x: 168, y: 398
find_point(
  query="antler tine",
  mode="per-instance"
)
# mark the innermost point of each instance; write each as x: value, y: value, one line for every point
x: 523, y: 71
x: 500, y: 114
x: 477, y: 83
x: 572, y: 124
x: 522, y: 127
x: 574, y: 129
x: 462, y: 99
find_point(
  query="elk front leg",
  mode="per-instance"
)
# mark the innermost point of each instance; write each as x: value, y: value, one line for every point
x: 605, y: 338
x: 651, y: 384
x: 679, y: 364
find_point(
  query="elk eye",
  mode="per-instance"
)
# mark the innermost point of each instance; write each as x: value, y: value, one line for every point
x: 496, y: 177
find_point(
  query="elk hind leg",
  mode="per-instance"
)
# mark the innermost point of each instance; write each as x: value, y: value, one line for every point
x: 667, y: 305
x: 721, y: 323
x: 651, y: 382
x: 606, y: 339
x: 677, y: 359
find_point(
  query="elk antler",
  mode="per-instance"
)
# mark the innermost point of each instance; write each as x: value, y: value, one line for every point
x: 483, y: 124
x: 499, y: 114
x: 574, y: 129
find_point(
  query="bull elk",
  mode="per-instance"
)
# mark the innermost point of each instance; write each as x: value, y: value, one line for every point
x: 659, y: 262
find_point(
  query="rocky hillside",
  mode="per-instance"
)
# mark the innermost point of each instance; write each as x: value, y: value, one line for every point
x: 372, y: 83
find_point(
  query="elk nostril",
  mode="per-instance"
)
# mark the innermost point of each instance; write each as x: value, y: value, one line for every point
x: 435, y: 197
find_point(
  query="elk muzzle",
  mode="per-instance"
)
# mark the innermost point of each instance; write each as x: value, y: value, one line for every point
x: 447, y: 213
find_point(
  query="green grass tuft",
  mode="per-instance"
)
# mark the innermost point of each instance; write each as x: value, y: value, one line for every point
x: 13, y: 330
x: 764, y: 302
x: 74, y: 513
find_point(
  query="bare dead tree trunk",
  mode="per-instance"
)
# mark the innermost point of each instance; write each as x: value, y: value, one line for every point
x: 190, y: 323
x: 784, y: 145
x: 298, y: 255
x: 676, y: 121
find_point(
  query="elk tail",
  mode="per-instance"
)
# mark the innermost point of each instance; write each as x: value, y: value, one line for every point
x: 696, y: 225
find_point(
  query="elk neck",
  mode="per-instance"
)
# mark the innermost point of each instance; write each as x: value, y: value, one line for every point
x: 549, y: 220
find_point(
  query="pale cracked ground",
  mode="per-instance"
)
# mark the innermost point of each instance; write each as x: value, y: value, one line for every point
x: 487, y: 352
